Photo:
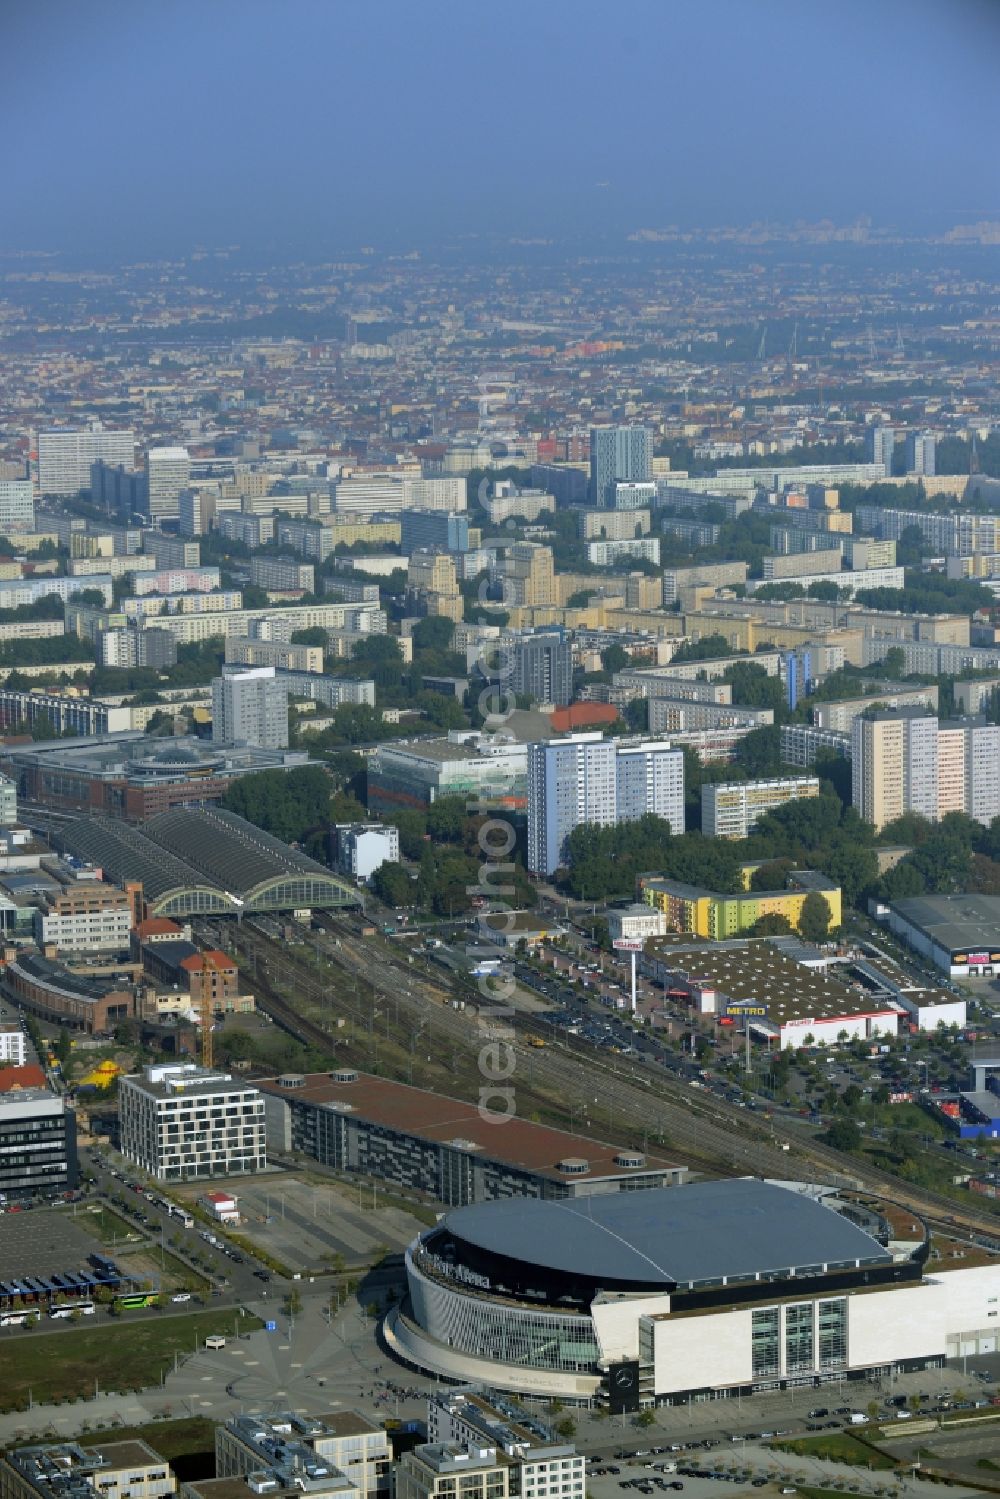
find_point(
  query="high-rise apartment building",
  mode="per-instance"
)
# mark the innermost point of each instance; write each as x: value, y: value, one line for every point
x: 879, y: 444
x: 732, y: 809
x: 903, y: 760
x: 17, y: 505
x: 921, y: 453
x: 65, y: 456
x: 250, y: 707
x: 618, y: 455
x: 542, y: 669
x: 168, y: 473
x: 587, y: 779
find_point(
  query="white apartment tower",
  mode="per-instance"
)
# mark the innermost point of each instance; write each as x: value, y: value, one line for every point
x: 250, y: 707
x: 585, y: 778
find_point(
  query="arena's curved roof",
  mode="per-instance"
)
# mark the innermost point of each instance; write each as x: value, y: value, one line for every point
x: 206, y: 861
x: 691, y: 1235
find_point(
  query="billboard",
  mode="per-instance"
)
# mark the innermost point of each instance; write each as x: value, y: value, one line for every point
x: 623, y: 1387
x: 628, y: 944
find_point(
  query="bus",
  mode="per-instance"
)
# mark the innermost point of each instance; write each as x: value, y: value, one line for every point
x: 67, y: 1308
x: 186, y: 1218
x: 139, y: 1299
x: 18, y: 1318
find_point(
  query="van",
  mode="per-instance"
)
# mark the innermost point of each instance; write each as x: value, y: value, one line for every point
x: 215, y: 1341
x: 858, y: 1418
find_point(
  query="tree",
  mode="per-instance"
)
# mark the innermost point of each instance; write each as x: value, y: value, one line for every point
x: 814, y: 918
x: 392, y: 884
x: 759, y: 752
x: 771, y: 924
x: 311, y: 635
x: 843, y: 1134
x: 614, y: 658
x: 433, y: 633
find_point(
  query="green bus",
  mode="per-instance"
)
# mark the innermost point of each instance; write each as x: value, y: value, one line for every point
x: 139, y: 1299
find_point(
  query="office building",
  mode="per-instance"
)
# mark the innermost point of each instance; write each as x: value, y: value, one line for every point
x: 435, y: 1470
x: 452, y: 1151
x: 630, y: 495
x: 894, y: 764
x: 68, y: 1470
x: 17, y: 505
x: 64, y: 457
x: 316, y: 1455
x: 168, y: 474
x: 37, y: 1143
x: 544, y: 1464
x: 117, y: 490
x: 583, y: 778
x: 921, y: 454
x: 567, y: 485
x: 250, y: 707
x: 448, y: 530
x: 364, y: 847
x: 879, y: 444
x: 733, y: 809
x: 492, y: 772
x: 541, y: 668
x: 618, y: 454
x: 183, y: 1122
x: 86, y: 916
x: 29, y: 711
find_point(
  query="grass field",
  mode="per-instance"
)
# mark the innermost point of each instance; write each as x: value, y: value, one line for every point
x: 838, y: 1447
x: 129, y: 1354
x: 107, y: 1226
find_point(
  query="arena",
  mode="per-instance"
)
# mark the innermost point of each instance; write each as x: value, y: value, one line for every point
x: 696, y: 1292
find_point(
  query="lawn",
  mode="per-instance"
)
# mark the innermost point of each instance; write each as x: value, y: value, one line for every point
x: 837, y: 1447
x: 109, y: 1226
x: 129, y: 1354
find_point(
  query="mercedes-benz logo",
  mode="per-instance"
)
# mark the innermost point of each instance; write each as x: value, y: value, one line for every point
x: 624, y: 1378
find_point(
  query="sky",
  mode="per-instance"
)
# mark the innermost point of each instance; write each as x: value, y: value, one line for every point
x: 145, y: 126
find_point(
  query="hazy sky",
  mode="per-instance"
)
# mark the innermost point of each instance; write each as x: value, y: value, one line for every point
x: 155, y: 124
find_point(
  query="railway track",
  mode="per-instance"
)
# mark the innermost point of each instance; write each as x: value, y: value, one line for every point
x: 601, y: 1093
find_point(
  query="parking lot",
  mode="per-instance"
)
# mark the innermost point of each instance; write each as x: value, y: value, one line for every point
x: 43, y: 1242
x: 306, y: 1226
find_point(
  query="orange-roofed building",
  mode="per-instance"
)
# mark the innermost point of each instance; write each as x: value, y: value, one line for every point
x: 583, y: 716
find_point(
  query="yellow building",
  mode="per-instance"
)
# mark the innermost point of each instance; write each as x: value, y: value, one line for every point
x: 710, y: 914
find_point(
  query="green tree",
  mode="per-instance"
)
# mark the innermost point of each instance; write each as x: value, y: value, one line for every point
x: 814, y: 918
x: 843, y: 1134
x: 771, y: 924
x: 392, y: 884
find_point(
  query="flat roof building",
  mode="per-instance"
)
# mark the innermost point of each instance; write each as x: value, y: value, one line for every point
x: 416, y: 1139
x: 69, y: 1470
x: 182, y: 1122
x: 959, y: 933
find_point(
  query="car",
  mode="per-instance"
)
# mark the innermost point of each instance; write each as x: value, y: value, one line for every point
x: 261, y: 1275
x: 181, y: 1296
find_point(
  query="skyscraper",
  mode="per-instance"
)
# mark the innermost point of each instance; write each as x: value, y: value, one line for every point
x: 168, y: 472
x: 921, y: 453
x: 250, y: 707
x: 618, y: 454
x: 879, y: 443
x: 542, y: 669
x: 585, y: 778
x: 65, y: 456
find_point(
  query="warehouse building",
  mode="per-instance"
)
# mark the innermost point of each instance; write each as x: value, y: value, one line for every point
x: 780, y: 999
x: 959, y: 933
x: 720, y: 1288
x: 453, y: 1151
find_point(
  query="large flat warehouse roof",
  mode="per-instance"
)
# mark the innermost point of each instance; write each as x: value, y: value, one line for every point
x: 955, y: 922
